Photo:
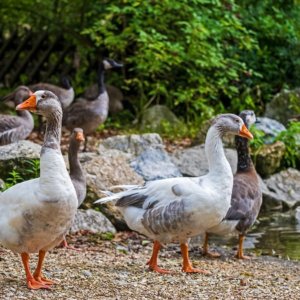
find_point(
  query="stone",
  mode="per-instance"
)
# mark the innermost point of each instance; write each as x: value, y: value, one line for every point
x: 17, y: 155
x: 157, y: 117
x: 283, y: 106
x: 193, y: 162
x: 92, y: 221
x: 268, y: 158
x: 104, y: 170
x: 2, y: 184
x: 270, y: 127
x: 284, y: 188
x: 147, y: 155
x: 115, y: 95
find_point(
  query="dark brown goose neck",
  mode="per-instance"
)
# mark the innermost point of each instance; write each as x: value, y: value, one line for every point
x: 76, y: 171
x: 243, y: 153
x: 101, y: 84
x: 53, y: 130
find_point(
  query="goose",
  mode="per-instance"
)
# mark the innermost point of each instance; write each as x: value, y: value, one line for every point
x: 65, y: 93
x: 36, y: 214
x: 246, y: 196
x: 77, y: 175
x: 86, y: 114
x: 19, y: 127
x: 176, y: 209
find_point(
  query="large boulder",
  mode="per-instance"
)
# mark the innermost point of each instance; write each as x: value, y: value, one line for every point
x: 268, y: 158
x: 104, y: 170
x: 157, y: 117
x: 271, y: 128
x: 147, y: 155
x: 284, y: 188
x: 18, y: 155
x: 92, y: 221
x: 193, y: 162
x: 283, y: 105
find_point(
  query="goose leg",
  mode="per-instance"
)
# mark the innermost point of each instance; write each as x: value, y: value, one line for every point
x: 187, y: 265
x: 64, y: 244
x: 205, y: 250
x: 153, y: 260
x: 85, y: 144
x: 240, y: 252
x: 32, y: 283
x: 38, y: 271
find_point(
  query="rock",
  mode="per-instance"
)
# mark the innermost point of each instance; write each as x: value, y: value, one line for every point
x: 284, y: 188
x: 157, y: 117
x: 147, y: 155
x: 91, y: 221
x: 2, y: 184
x: 116, y: 97
x: 267, y: 159
x: 297, y: 214
x: 104, y: 170
x: 283, y: 105
x: 155, y: 164
x: 17, y: 155
x: 270, y: 127
x: 192, y: 161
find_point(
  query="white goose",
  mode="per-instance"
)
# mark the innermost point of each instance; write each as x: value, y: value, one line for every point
x: 176, y: 209
x: 36, y: 214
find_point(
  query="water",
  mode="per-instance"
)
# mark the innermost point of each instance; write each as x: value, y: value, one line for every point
x: 276, y: 234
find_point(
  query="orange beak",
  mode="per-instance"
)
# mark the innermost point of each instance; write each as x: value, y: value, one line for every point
x: 29, y: 104
x: 244, y: 132
x: 79, y: 136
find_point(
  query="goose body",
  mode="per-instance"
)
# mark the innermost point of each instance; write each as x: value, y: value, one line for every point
x: 176, y: 209
x: 36, y: 214
x: 19, y: 127
x: 246, y: 197
x: 65, y: 93
x: 86, y: 114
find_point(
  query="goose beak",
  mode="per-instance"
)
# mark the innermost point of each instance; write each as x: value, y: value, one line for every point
x: 29, y: 104
x: 244, y: 132
x: 79, y: 136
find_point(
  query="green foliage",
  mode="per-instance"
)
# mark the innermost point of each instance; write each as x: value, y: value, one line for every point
x: 30, y: 170
x: 291, y: 139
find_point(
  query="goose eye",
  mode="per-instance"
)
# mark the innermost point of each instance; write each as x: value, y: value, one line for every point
x: 43, y: 96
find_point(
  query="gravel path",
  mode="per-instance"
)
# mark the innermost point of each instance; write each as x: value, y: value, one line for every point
x: 116, y: 270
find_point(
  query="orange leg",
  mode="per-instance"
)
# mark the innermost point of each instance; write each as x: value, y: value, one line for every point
x: 153, y: 260
x: 205, y: 250
x: 38, y: 271
x: 64, y: 244
x: 32, y: 283
x: 187, y: 266
x: 240, y: 252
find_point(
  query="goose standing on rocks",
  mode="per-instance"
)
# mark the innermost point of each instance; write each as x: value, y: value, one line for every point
x: 86, y: 114
x: 19, y: 127
x: 76, y: 172
x: 246, y: 197
x: 176, y: 209
x: 36, y: 214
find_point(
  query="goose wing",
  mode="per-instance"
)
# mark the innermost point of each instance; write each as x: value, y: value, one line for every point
x: 9, y: 127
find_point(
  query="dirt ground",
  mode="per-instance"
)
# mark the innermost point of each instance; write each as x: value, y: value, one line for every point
x: 115, y: 269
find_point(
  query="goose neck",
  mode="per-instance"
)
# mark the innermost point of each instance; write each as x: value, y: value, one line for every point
x: 243, y: 154
x: 101, y: 84
x: 53, y: 130
x: 214, y: 150
x: 75, y: 166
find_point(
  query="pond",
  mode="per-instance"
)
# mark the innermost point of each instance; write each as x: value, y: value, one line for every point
x: 276, y: 234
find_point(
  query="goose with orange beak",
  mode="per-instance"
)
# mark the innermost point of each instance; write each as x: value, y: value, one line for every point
x: 36, y: 214
x: 176, y: 209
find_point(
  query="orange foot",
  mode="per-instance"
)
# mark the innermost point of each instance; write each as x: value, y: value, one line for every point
x: 212, y: 254
x: 157, y: 269
x: 190, y: 269
x: 33, y: 284
x: 242, y: 256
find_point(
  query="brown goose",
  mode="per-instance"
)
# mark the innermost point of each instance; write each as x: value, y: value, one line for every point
x: 88, y: 115
x: 76, y: 172
x: 65, y: 93
x: 246, y: 197
x: 36, y: 214
x: 16, y: 128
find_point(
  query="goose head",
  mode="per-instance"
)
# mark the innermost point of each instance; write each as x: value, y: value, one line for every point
x: 20, y: 94
x: 110, y: 64
x: 41, y: 102
x: 77, y: 135
x: 232, y: 124
x: 248, y: 116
